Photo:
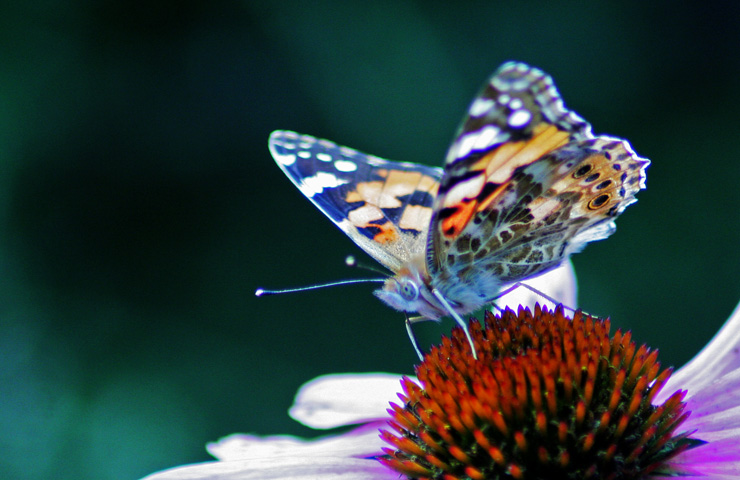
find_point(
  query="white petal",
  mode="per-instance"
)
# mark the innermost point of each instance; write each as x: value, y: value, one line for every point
x: 306, y: 468
x: 720, y: 356
x: 335, y: 400
x: 361, y: 442
x: 559, y: 284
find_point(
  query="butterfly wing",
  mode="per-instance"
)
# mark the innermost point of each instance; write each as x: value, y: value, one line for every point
x: 525, y: 185
x: 385, y: 207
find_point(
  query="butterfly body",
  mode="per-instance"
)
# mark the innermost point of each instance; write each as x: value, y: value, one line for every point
x: 412, y: 289
x: 525, y: 184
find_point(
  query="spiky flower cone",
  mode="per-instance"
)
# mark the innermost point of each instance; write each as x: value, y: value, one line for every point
x: 549, y: 397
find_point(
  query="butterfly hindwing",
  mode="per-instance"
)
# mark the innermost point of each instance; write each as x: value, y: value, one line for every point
x: 549, y: 210
x: 383, y: 206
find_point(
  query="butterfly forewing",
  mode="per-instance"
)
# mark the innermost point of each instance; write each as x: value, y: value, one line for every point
x: 383, y: 206
x: 518, y: 107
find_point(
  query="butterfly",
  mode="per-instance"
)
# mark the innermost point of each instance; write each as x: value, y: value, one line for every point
x: 525, y: 184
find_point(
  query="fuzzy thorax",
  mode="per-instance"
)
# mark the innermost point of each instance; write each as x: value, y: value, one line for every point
x: 411, y: 290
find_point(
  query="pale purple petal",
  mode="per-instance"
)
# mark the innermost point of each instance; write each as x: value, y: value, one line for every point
x: 306, y: 468
x: 712, y: 381
x: 717, y: 459
x: 715, y: 410
x: 333, y: 401
x: 720, y: 356
x: 559, y: 284
x: 698, y: 476
x: 361, y: 442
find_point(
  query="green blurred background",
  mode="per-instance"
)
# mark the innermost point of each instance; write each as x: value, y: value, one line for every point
x: 141, y: 208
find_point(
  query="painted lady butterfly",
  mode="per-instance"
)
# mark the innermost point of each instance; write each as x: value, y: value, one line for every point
x: 525, y: 184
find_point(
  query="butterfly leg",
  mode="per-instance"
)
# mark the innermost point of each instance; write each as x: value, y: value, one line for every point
x: 410, y: 321
x: 531, y: 289
x: 457, y: 318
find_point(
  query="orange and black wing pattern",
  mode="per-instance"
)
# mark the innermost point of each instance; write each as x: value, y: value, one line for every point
x: 525, y: 184
x: 383, y: 206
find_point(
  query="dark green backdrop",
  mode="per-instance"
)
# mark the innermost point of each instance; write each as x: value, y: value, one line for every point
x: 140, y: 207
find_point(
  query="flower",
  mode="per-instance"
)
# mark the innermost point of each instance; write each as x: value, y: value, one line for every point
x: 711, y: 383
x: 548, y: 397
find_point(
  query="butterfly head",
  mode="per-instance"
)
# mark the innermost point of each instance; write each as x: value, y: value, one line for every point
x: 409, y: 291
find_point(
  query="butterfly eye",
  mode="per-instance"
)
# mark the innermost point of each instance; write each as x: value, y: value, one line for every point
x: 408, y: 290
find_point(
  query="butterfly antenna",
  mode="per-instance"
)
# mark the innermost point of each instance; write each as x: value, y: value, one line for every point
x: 351, y: 261
x: 260, y: 292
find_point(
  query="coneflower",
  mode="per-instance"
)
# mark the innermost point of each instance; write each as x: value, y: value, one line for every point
x: 549, y: 397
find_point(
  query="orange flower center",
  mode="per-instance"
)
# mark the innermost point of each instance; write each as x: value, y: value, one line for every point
x: 548, y: 397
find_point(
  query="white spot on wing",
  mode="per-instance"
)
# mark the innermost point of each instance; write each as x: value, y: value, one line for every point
x: 486, y: 137
x: 464, y: 145
x: 324, y: 157
x: 311, y: 186
x: 478, y: 140
x: 519, y: 118
x: 284, y: 159
x: 480, y: 106
x: 304, y: 154
x: 469, y: 188
x: 345, y: 166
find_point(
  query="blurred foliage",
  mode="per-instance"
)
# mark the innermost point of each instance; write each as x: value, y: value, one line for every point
x: 141, y: 208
